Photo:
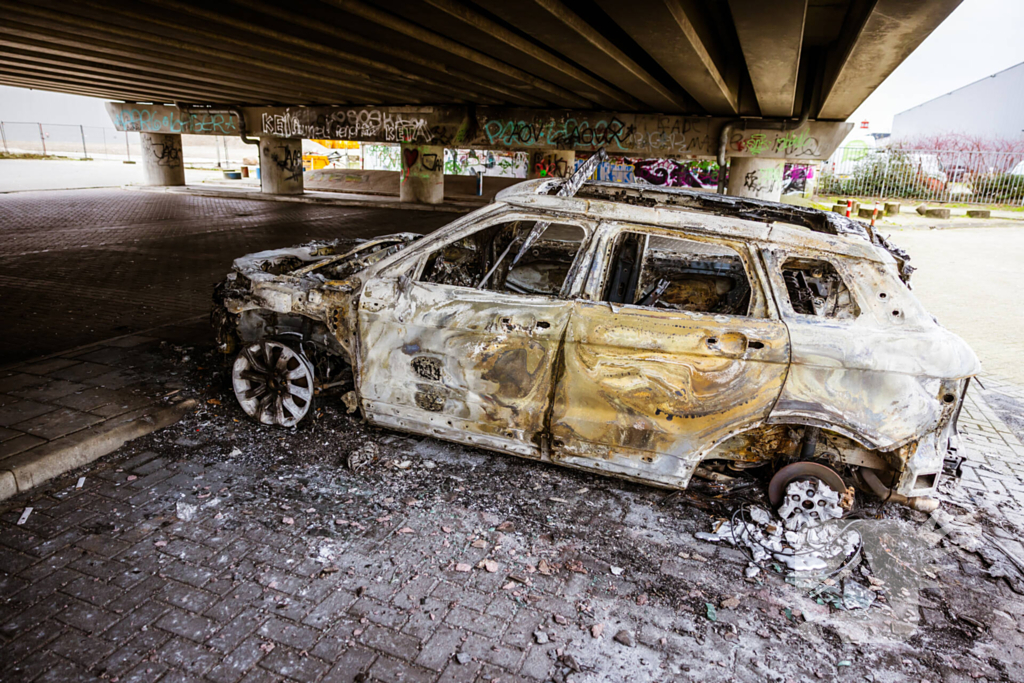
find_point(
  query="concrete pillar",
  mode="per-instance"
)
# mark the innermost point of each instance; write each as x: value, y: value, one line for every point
x: 811, y: 181
x: 757, y: 178
x: 161, y: 159
x: 422, y: 179
x: 552, y: 163
x: 281, y: 165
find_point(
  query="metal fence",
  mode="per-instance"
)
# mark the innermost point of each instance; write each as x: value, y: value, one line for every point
x: 102, y: 143
x: 927, y: 175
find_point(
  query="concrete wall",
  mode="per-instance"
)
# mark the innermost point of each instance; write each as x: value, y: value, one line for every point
x: 991, y: 107
x: 387, y: 183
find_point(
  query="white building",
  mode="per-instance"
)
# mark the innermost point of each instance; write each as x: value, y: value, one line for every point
x: 990, y: 108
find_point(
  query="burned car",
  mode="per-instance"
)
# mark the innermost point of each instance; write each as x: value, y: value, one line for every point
x: 647, y: 333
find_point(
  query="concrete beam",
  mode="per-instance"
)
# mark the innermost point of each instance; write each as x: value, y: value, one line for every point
x: 551, y: 22
x: 771, y: 36
x: 874, y: 45
x: 642, y: 135
x: 683, y: 45
x: 513, y: 48
x: 549, y: 91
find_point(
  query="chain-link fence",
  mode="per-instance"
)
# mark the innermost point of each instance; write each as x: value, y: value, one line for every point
x: 927, y: 175
x: 101, y: 143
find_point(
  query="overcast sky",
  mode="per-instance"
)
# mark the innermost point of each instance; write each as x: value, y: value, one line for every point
x: 978, y: 39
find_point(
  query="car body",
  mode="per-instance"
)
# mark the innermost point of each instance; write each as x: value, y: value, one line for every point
x: 649, y: 333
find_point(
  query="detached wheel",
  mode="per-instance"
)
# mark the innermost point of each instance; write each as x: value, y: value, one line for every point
x: 273, y: 383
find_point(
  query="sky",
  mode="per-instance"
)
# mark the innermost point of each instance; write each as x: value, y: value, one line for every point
x: 978, y: 39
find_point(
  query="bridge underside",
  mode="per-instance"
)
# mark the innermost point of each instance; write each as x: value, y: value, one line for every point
x: 748, y: 79
x: 689, y: 57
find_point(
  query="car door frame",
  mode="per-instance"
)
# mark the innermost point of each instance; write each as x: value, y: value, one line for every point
x: 396, y: 291
x: 650, y: 445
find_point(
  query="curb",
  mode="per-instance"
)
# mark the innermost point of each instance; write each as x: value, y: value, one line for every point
x: 306, y: 198
x: 38, y: 465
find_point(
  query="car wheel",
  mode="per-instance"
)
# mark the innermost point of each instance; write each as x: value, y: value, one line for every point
x: 273, y: 383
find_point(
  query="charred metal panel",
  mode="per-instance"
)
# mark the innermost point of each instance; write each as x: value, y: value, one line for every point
x: 877, y: 378
x: 432, y: 354
x: 647, y: 392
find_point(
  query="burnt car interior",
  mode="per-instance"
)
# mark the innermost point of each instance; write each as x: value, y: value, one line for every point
x: 815, y: 288
x: 484, y: 259
x: 677, y: 274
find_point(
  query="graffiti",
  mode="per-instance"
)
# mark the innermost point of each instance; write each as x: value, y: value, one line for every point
x: 382, y: 157
x: 664, y: 172
x: 164, y: 154
x: 159, y: 119
x: 757, y: 143
x: 353, y: 124
x: 495, y: 163
x: 550, y: 166
x: 795, y: 177
x: 290, y: 161
x: 784, y: 144
x: 570, y: 133
x: 497, y: 128
x: 410, y: 155
x: 432, y: 162
x: 763, y: 180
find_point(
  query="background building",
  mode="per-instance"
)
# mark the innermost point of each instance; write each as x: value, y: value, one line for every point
x: 990, y: 108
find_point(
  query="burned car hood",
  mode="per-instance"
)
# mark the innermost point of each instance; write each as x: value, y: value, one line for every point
x: 322, y: 261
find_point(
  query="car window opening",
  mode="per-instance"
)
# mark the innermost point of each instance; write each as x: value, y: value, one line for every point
x: 816, y: 288
x: 483, y: 260
x: 673, y: 273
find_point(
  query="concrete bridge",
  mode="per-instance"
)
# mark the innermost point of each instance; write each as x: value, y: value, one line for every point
x: 747, y: 81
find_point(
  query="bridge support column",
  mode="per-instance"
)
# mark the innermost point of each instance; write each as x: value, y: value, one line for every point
x: 757, y: 178
x: 551, y: 163
x: 281, y: 165
x: 422, y: 179
x: 161, y: 159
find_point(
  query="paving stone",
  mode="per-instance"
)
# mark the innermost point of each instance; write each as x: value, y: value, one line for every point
x: 22, y: 410
x: 285, y: 661
x: 19, y: 444
x: 19, y: 381
x: 187, y: 625
x: 43, y: 367
x: 81, y: 371
x: 58, y: 423
x: 86, y: 617
x: 8, y: 434
x: 89, y: 399
x: 351, y: 666
x: 395, y: 671
x: 484, y: 624
x: 58, y: 388
x: 281, y: 631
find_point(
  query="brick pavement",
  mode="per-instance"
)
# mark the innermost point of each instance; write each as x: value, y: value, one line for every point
x: 83, y: 393
x: 81, y: 266
x: 178, y: 562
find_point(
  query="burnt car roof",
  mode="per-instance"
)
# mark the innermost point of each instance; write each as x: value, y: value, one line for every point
x: 687, y: 200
